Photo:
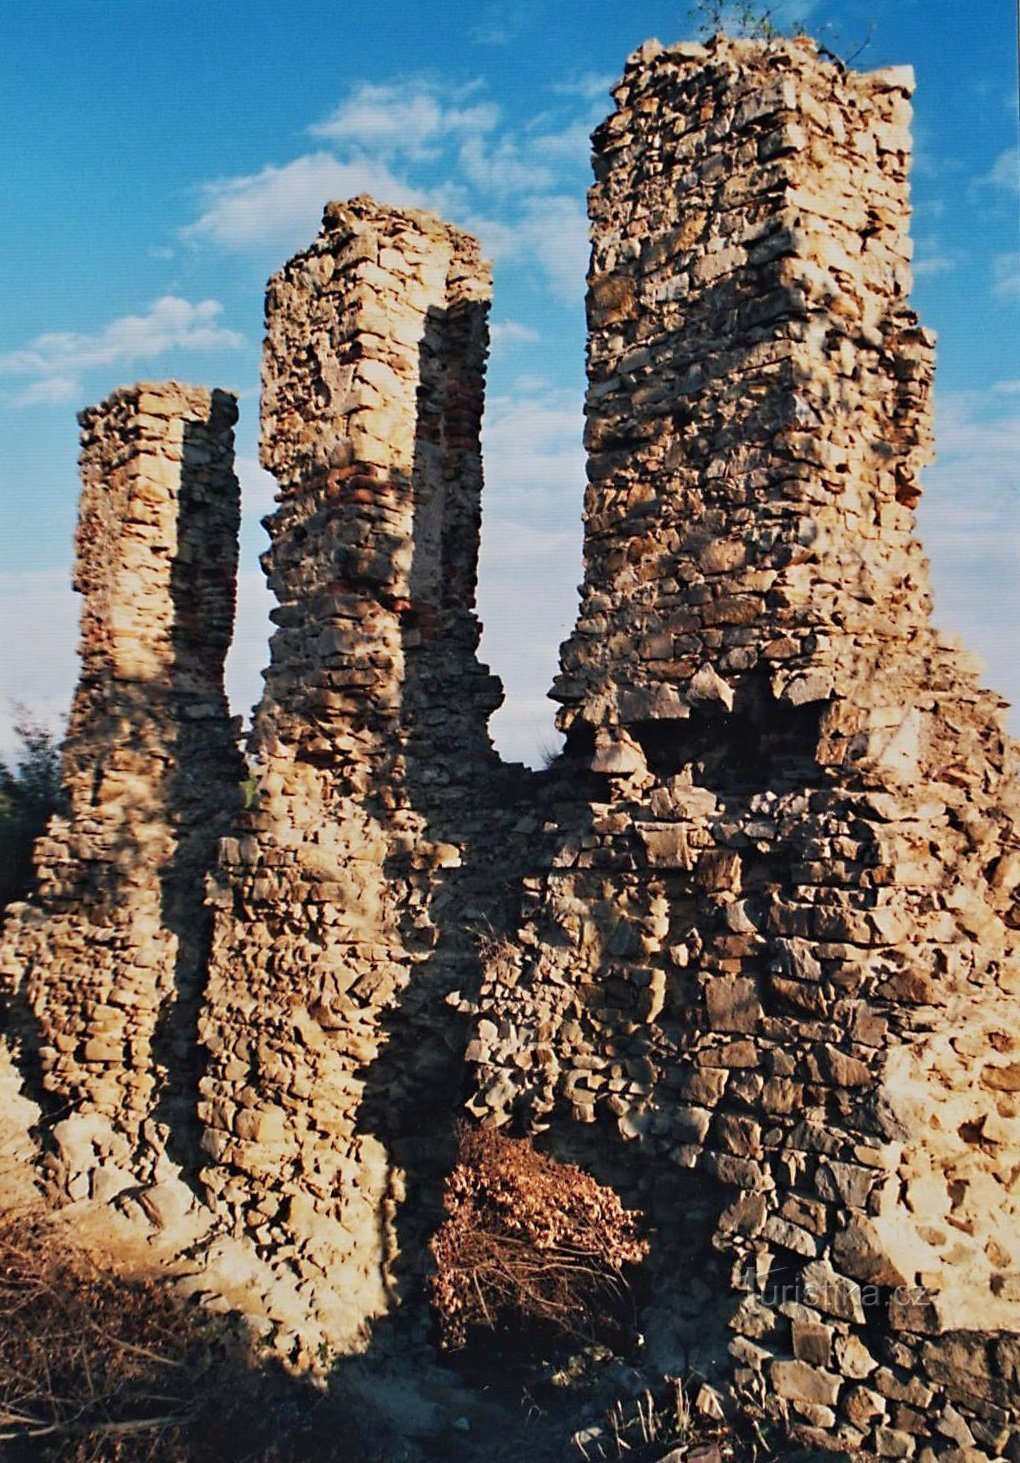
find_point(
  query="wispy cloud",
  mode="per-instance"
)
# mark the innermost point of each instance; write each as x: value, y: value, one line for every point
x: 58, y: 358
x: 932, y: 259
x: 971, y: 531
x: 930, y: 160
x: 258, y: 487
x: 249, y: 649
x: 534, y: 460
x: 590, y: 86
x: 527, y: 604
x: 39, y: 632
x: 554, y: 233
x: 1006, y: 276
x: 498, y: 25
x: 420, y: 142
x: 506, y: 334
x: 504, y: 168
x: 282, y: 206
x: 50, y: 391
x: 406, y: 119
x: 1004, y: 172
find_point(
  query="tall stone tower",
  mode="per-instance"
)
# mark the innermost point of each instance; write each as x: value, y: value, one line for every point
x: 348, y: 905
x: 775, y: 952
x: 104, y: 966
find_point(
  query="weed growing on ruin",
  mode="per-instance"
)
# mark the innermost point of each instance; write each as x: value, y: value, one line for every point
x: 756, y: 21
x: 737, y: 18
x: 529, y: 1244
x: 666, y: 1419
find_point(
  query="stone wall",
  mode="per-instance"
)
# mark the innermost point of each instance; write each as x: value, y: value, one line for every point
x: 748, y: 951
x: 103, y: 968
x: 767, y: 981
x: 350, y: 902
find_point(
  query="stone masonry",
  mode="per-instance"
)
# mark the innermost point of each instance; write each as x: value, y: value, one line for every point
x: 776, y: 947
x: 748, y: 951
x: 355, y: 884
x: 103, y: 969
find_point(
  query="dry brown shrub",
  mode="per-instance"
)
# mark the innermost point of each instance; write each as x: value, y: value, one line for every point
x: 529, y: 1241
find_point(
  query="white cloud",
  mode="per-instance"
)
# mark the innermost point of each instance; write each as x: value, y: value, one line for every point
x: 527, y: 605
x: 549, y: 231
x: 931, y: 260
x: 491, y: 33
x: 964, y: 436
x: 407, y: 118
x: 282, y: 206
x: 530, y: 164
x: 39, y: 667
x: 590, y: 87
x: 258, y: 488
x: 58, y: 357
x: 1006, y: 276
x: 534, y: 459
x: 970, y: 528
x: 530, y: 563
x: 1005, y: 171
x: 571, y: 145
x: 553, y: 232
x: 39, y: 614
x: 50, y: 391
x: 420, y: 143
x: 929, y: 161
x: 500, y: 24
x: 249, y: 650
x: 506, y: 334
x: 504, y: 168
x: 934, y: 264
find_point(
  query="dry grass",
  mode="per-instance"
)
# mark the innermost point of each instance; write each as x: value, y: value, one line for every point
x: 98, y: 1369
x: 529, y: 1242
x: 88, y: 1364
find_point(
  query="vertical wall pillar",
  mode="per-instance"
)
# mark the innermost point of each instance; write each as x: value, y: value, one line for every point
x: 330, y: 1044
x: 778, y: 953
x: 104, y: 964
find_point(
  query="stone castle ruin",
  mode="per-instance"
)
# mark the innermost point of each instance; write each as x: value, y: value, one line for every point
x: 748, y: 951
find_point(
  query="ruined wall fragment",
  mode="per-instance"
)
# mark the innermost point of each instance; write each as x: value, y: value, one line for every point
x: 103, y: 965
x: 774, y: 954
x: 350, y: 900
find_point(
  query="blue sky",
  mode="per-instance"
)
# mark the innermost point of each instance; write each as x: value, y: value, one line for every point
x: 163, y: 159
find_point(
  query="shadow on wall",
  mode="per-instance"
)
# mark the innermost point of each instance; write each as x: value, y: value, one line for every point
x: 480, y: 816
x: 203, y: 783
